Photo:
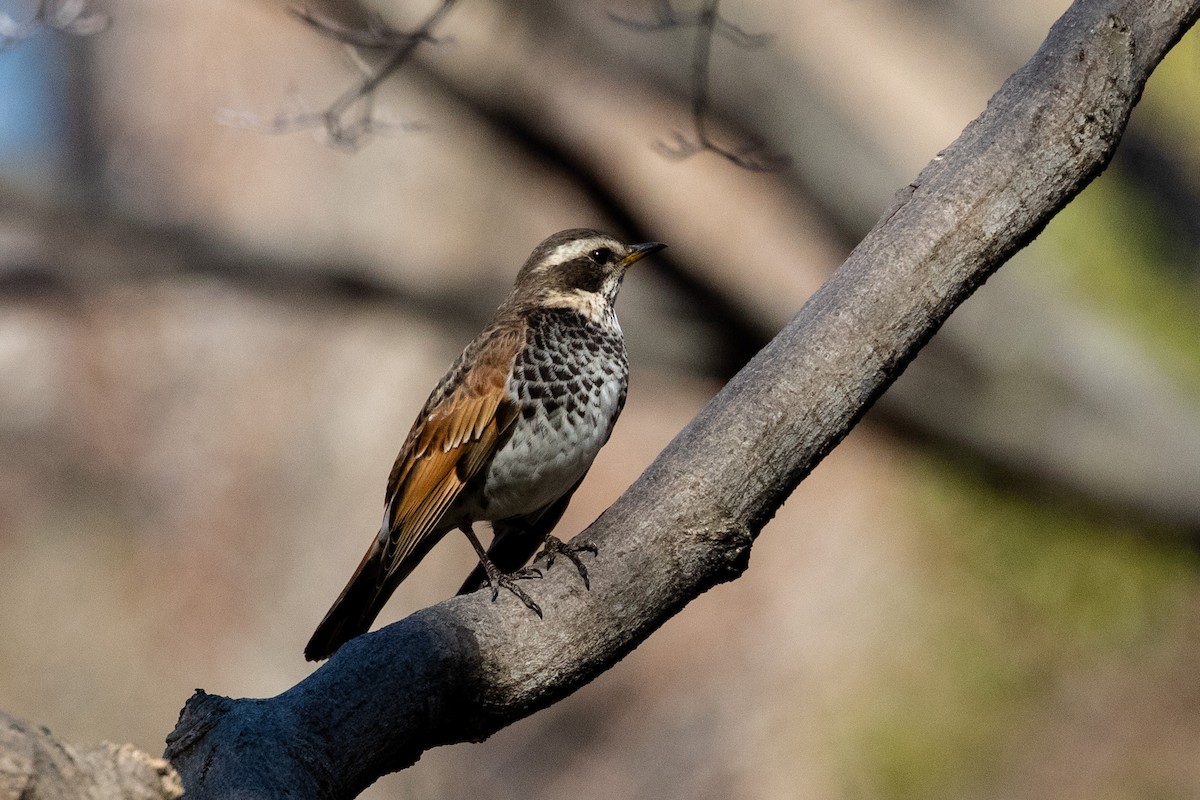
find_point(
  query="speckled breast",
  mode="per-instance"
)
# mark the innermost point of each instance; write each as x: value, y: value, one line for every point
x: 570, y: 383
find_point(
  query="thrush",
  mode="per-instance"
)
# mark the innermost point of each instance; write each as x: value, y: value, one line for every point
x: 508, y: 433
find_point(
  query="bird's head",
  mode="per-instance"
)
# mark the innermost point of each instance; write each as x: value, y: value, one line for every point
x: 578, y: 267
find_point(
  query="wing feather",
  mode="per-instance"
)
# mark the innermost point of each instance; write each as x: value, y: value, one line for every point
x: 457, y: 433
x: 464, y: 422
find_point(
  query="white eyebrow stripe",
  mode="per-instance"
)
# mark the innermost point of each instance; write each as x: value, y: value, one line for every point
x: 569, y: 250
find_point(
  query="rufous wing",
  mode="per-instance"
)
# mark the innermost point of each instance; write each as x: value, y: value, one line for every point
x: 461, y: 427
x: 457, y: 439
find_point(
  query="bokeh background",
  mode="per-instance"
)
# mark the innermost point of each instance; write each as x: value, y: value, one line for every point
x: 213, y: 340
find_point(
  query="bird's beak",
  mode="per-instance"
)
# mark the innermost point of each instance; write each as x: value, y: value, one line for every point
x: 639, y: 251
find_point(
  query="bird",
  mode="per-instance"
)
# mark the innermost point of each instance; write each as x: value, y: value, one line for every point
x: 507, y: 435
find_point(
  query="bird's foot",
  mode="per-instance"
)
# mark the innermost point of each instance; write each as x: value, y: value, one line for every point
x: 528, y: 573
x: 498, y: 580
x: 555, y: 547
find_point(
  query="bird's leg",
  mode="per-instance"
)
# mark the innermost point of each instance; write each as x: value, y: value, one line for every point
x: 496, y: 578
x: 555, y: 546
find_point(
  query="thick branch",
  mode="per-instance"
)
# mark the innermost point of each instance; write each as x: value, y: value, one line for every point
x: 465, y: 668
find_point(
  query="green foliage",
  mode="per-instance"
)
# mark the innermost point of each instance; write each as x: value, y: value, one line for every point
x: 1171, y: 98
x: 1082, y: 581
x: 1112, y: 251
x: 1017, y: 596
x: 1110, y: 241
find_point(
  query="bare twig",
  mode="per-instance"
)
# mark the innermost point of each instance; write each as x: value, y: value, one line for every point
x: 350, y: 119
x: 378, y: 35
x: 751, y: 155
x: 66, y: 16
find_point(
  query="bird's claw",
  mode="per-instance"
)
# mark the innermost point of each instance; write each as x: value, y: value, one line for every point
x: 498, y: 579
x: 555, y: 547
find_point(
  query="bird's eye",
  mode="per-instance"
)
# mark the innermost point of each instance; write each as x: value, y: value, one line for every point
x: 601, y: 255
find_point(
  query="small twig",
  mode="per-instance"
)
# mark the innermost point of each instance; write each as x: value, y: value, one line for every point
x: 378, y: 34
x: 739, y: 37
x: 752, y: 155
x: 349, y: 120
x: 665, y: 17
x: 66, y: 16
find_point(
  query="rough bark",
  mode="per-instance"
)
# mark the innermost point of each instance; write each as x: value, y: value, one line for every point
x: 467, y: 667
x: 36, y: 765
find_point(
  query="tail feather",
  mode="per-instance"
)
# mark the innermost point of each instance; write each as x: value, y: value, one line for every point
x: 352, y: 614
x: 355, y: 609
x: 365, y: 596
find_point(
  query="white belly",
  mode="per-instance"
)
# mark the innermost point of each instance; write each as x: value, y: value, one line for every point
x: 549, y: 452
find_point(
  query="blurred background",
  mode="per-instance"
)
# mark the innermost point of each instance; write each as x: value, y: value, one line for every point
x: 214, y: 339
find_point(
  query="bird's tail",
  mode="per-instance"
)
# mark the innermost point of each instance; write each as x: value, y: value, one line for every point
x: 356, y: 607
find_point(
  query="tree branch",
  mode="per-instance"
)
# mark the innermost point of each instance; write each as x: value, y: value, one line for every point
x: 709, y: 23
x: 349, y: 120
x: 465, y: 668
x: 36, y: 765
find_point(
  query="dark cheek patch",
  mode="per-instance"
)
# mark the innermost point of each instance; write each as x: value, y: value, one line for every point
x: 581, y: 273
